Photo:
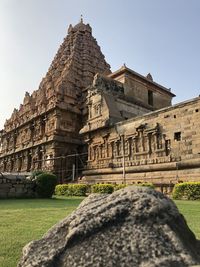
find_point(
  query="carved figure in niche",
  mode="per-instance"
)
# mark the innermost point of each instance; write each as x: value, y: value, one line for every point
x: 19, y: 163
x: 37, y: 131
x: 118, y: 146
x: 98, y: 109
x: 101, y: 151
x: 94, y: 153
x: 90, y: 152
x: 107, y: 149
x: 40, y: 157
x: 136, y: 140
x: 167, y: 147
x: 142, y: 143
x: 11, y: 144
x: 8, y: 141
x: 90, y: 111
x: 11, y: 164
x: 29, y: 161
x: 42, y: 125
x: 31, y: 128
x: 111, y: 148
x: 150, y: 142
x: 159, y: 141
x: 126, y: 147
x: 97, y: 153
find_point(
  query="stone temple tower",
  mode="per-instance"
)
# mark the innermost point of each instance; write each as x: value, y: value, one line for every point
x: 46, y: 126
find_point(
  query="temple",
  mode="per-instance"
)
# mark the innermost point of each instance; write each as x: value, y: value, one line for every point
x: 88, y: 123
x: 45, y: 128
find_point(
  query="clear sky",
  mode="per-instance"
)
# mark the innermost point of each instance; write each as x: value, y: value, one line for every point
x: 157, y: 36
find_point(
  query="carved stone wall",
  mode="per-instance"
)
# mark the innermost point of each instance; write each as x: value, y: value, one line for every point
x: 143, y: 89
x: 160, y: 146
x: 44, y: 131
x: 47, y: 124
x: 107, y: 104
x: 14, y: 187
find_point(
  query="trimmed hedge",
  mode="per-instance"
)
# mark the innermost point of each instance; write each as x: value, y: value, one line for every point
x: 71, y: 189
x: 119, y: 186
x: 102, y: 188
x: 45, y: 184
x: 187, y: 190
x: 83, y: 189
x: 62, y: 190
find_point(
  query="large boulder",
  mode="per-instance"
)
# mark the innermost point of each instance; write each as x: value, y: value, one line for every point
x: 135, y: 226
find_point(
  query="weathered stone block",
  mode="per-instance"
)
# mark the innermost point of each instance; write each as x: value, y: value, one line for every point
x: 11, y: 194
x: 135, y: 226
x: 12, y: 190
x: 20, y: 189
x: 3, y: 194
x: 6, y: 186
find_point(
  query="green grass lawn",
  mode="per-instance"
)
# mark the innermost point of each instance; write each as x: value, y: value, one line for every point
x: 191, y: 212
x: 24, y: 220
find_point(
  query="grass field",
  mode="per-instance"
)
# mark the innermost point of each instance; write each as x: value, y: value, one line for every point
x: 191, y: 212
x: 24, y: 220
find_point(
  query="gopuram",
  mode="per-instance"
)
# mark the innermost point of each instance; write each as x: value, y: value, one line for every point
x: 123, y: 121
x: 45, y: 128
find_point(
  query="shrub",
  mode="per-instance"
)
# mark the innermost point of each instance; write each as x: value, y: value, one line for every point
x: 34, y: 175
x: 71, y: 189
x: 119, y: 186
x: 187, y: 190
x: 62, y: 190
x: 83, y: 189
x: 45, y: 184
x: 102, y: 188
x: 79, y: 189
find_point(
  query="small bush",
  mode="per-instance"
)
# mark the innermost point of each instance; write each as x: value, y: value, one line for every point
x: 187, y: 190
x: 36, y: 173
x: 45, y: 184
x: 79, y: 189
x: 62, y: 190
x: 102, y: 188
x: 71, y: 189
x: 83, y: 189
x: 119, y: 186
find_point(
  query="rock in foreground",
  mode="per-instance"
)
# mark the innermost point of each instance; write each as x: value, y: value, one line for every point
x: 135, y: 226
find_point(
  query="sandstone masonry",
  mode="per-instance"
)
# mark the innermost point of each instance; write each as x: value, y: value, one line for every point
x: 12, y: 186
x: 46, y: 126
x: 123, y: 120
x: 161, y: 146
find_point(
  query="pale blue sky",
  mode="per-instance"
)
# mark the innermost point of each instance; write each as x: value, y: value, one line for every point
x: 157, y: 36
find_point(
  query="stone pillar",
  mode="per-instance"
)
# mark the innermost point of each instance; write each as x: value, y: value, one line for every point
x: 150, y: 143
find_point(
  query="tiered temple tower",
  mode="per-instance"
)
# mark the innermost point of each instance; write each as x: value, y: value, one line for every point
x: 46, y: 126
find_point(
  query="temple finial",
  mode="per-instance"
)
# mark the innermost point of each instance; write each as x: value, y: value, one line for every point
x: 149, y: 77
